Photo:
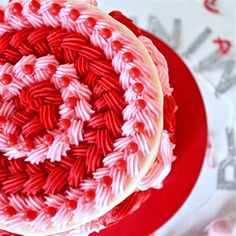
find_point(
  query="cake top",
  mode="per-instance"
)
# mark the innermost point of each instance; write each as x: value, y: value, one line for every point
x: 81, y: 114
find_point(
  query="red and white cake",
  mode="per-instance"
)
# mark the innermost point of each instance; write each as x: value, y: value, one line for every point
x: 81, y: 117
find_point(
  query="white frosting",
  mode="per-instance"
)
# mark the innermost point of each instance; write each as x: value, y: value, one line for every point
x: 161, y: 64
x: 162, y: 166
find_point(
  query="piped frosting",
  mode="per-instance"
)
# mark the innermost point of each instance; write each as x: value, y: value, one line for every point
x: 74, y: 107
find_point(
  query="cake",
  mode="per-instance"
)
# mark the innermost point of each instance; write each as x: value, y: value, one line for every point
x: 86, y: 117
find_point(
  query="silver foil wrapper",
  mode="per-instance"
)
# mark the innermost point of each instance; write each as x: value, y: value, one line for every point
x: 227, y: 168
x: 199, y: 40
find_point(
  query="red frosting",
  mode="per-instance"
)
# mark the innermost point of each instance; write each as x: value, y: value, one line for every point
x: 127, y: 207
x: 5, y: 233
x: 38, y: 111
x: 133, y: 202
x: 130, y: 204
x: 126, y: 21
x: 169, y: 116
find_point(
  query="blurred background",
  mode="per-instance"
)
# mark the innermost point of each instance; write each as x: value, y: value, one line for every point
x: 203, y: 33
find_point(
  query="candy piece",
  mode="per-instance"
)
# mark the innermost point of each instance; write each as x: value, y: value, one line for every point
x: 10, y: 211
x: 71, y: 205
x: 48, y: 139
x: 140, y: 104
x: 106, y: 33
x: 71, y: 102
x: 90, y: 22
x: 138, y: 127
x: 128, y: 57
x: 64, y: 81
x: 17, y: 8
x: 12, y: 139
x: 6, y: 79
x: 2, y: 120
x: 134, y: 72
x: 55, y: 9
x: 28, y: 69
x: 28, y: 145
x: 116, y: 45
x: 138, y: 88
x: 120, y: 165
x: 51, y: 69
x: 65, y: 124
x: 50, y: 211
x: 89, y: 197
x: 74, y: 14
x: 106, y: 181
x: 1, y: 16
x: 30, y: 215
x: 132, y: 147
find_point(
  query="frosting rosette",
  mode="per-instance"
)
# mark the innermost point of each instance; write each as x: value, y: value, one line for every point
x: 81, y: 117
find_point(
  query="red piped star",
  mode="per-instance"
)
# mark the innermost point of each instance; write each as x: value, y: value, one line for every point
x: 2, y: 16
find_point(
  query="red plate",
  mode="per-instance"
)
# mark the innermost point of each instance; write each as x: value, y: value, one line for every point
x: 191, y: 141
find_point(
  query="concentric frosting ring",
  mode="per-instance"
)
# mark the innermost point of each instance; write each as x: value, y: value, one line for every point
x: 57, y: 48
